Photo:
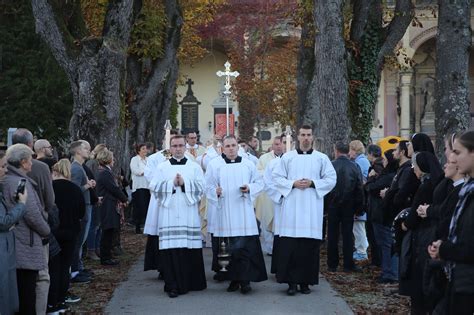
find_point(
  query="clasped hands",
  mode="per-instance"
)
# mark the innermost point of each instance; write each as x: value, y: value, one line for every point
x: 178, y: 180
x: 421, y: 211
x: 302, y: 183
x: 433, y: 249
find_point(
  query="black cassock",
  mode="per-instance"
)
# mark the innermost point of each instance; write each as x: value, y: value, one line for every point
x: 152, y: 253
x: 297, y: 260
x: 183, y: 269
x: 246, y: 263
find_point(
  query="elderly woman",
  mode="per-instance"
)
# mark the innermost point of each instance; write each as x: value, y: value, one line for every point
x: 110, y: 214
x: 8, y: 219
x: 31, y: 228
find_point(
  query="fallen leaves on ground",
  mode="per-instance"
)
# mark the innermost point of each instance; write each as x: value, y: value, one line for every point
x: 362, y: 292
x: 96, y: 294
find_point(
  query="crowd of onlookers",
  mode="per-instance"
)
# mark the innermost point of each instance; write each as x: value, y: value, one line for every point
x: 51, y: 211
x: 398, y: 207
x: 419, y: 222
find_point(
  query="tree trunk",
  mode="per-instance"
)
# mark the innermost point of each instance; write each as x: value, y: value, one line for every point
x: 96, y: 71
x: 371, y: 43
x: 329, y: 88
x: 453, y: 45
x: 157, y: 91
x: 305, y: 72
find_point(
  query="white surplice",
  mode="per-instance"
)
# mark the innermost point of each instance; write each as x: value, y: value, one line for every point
x: 207, y: 208
x: 151, y: 222
x: 179, y: 225
x: 264, y: 209
x: 302, y: 209
x: 233, y: 214
x: 272, y: 193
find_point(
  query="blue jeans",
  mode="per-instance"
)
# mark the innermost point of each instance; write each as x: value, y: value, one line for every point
x: 383, y: 237
x: 77, y: 264
x: 93, y: 237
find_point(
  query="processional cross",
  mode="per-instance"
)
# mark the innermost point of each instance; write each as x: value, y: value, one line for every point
x: 227, y: 91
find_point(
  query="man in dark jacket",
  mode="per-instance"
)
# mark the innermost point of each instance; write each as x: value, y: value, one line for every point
x: 396, y: 198
x: 343, y: 201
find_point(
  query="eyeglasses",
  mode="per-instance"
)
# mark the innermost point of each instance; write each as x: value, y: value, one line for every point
x: 177, y: 146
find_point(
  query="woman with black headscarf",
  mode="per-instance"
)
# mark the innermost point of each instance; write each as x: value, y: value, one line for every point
x: 414, y: 255
x: 420, y: 142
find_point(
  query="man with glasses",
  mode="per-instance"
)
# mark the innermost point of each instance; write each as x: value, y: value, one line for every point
x: 178, y: 185
x: 44, y: 152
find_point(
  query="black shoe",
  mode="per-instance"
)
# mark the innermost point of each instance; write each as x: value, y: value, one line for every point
x: 332, y: 269
x: 57, y: 309
x: 233, y: 286
x: 86, y: 273
x: 173, y: 293
x: 353, y: 269
x: 304, y: 288
x: 245, y: 288
x: 109, y: 262
x: 291, y: 289
x: 80, y: 278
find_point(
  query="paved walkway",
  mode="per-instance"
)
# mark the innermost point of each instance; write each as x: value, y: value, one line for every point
x: 142, y: 293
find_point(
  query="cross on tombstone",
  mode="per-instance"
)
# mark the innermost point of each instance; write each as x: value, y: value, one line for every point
x: 189, y: 83
x: 227, y: 73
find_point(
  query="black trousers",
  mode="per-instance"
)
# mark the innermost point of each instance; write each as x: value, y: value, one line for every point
x: 106, y: 244
x: 340, y: 220
x: 59, y: 272
x: 375, y: 249
x: 459, y: 303
x: 140, y: 200
x: 27, y: 290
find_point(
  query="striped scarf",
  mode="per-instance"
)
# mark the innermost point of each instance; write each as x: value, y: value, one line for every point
x: 452, y: 237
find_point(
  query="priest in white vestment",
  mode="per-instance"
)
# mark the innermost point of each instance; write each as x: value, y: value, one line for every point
x: 303, y: 177
x: 233, y: 183
x: 152, y: 261
x: 264, y: 206
x: 178, y: 185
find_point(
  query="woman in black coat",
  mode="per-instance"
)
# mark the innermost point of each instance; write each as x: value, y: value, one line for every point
x: 415, y: 242
x: 458, y: 249
x: 110, y: 210
x: 71, y: 207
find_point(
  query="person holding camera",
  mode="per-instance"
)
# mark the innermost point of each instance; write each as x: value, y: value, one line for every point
x: 31, y: 228
x: 8, y: 219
